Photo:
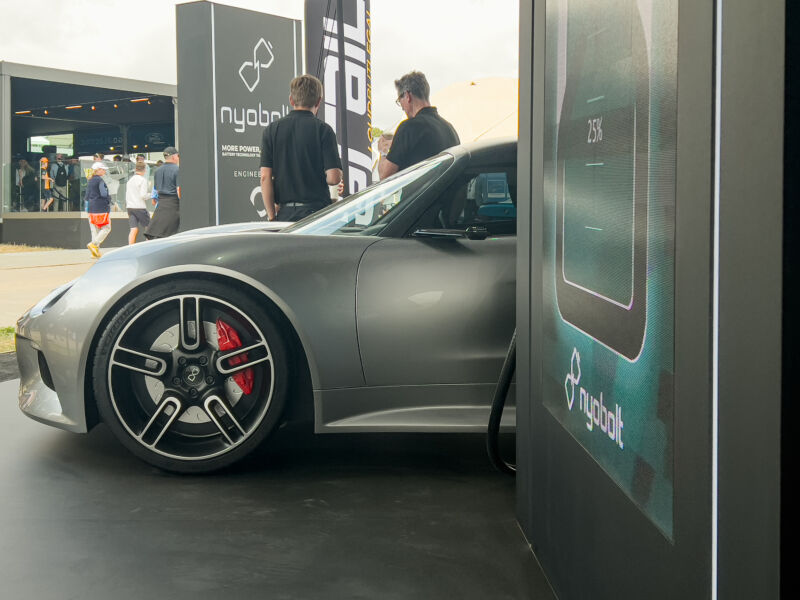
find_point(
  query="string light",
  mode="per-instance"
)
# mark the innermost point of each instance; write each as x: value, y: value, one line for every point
x: 46, y: 111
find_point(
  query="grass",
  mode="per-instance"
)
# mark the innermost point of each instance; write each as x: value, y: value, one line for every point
x: 14, y: 248
x: 6, y: 339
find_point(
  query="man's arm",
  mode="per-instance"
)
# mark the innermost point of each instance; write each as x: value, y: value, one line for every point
x: 268, y: 193
x: 386, y: 168
x: 333, y: 176
x: 144, y: 192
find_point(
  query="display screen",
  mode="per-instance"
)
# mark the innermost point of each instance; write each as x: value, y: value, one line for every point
x: 610, y: 110
x: 597, y: 145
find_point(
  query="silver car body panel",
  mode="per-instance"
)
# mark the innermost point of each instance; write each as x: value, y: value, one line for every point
x: 431, y: 408
x: 444, y: 309
x: 453, y: 300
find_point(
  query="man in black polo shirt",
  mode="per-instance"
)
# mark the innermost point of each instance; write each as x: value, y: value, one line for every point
x: 299, y: 156
x: 423, y: 134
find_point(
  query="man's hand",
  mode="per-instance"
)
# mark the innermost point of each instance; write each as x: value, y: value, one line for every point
x: 384, y: 143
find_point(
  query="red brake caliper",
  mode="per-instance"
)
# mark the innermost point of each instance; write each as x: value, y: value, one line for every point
x: 228, y: 339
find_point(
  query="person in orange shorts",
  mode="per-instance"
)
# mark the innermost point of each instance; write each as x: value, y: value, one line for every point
x: 99, y: 205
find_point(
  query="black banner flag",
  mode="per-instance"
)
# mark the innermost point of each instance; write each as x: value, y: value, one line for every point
x: 347, y: 101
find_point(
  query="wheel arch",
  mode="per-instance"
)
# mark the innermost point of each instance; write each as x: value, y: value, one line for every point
x: 303, y: 373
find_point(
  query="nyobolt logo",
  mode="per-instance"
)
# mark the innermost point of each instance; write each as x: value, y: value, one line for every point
x: 573, y: 377
x: 250, y: 71
x: 597, y: 415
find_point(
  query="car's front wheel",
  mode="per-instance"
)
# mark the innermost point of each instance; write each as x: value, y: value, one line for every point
x: 190, y: 376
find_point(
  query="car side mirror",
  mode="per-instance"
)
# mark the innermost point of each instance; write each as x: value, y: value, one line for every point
x: 476, y: 232
x: 473, y: 232
x: 439, y: 234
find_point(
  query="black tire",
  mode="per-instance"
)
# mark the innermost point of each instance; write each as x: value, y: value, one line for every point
x: 167, y: 392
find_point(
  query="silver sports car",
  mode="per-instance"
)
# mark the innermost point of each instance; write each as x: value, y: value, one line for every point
x: 389, y: 311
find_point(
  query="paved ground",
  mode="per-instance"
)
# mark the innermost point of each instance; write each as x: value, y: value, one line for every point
x: 336, y: 516
x: 26, y: 277
x: 8, y: 366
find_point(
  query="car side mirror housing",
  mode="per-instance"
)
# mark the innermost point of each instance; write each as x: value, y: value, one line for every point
x: 476, y: 232
x: 473, y: 232
x: 439, y: 234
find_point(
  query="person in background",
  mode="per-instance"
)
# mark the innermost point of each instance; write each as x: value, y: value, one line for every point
x: 113, y: 179
x: 423, y: 134
x: 299, y: 156
x: 46, y: 184
x: 74, y: 183
x: 26, y: 180
x: 98, y: 206
x: 59, y: 173
x: 167, y: 216
x: 136, y: 196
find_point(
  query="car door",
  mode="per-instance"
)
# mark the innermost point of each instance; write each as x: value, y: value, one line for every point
x: 435, y: 307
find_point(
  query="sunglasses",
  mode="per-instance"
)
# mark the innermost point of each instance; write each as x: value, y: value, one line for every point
x: 400, y: 97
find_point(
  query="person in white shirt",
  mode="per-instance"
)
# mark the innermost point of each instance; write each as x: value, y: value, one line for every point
x: 136, y: 197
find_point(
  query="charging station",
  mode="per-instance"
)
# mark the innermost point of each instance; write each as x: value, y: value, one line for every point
x: 649, y: 300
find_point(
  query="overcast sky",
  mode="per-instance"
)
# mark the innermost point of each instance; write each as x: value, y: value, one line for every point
x: 449, y: 40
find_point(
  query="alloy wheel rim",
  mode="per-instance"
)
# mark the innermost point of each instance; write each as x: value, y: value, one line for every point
x: 175, y: 392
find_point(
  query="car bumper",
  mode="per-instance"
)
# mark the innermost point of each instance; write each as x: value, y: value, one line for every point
x: 53, y: 339
x: 37, y: 399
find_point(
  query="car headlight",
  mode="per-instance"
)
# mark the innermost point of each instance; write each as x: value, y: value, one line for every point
x: 48, y: 301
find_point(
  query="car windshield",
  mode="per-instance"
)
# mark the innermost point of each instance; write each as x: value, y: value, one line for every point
x: 370, y: 210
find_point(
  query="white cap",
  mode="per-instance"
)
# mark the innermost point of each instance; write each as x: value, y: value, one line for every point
x: 99, y: 165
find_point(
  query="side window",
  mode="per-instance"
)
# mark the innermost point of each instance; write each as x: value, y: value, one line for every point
x: 486, y: 198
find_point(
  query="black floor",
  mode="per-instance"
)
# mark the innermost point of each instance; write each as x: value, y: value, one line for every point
x: 342, y: 516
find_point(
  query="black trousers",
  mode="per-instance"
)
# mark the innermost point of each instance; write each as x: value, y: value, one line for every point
x: 166, y: 218
x: 294, y: 211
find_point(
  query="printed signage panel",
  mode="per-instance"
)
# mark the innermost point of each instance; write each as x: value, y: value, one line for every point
x: 322, y: 56
x: 97, y: 140
x: 609, y: 226
x: 255, y: 56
